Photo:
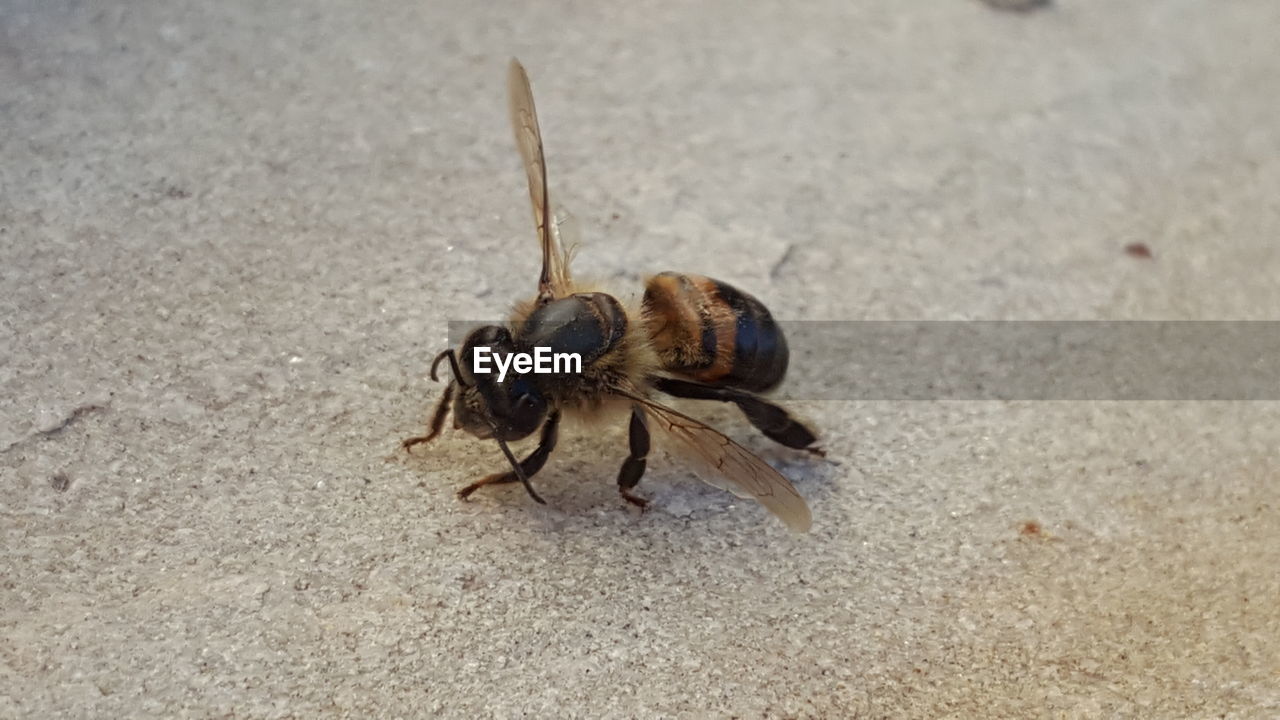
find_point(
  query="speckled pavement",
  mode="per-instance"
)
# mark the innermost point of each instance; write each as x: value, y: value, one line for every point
x: 232, y: 235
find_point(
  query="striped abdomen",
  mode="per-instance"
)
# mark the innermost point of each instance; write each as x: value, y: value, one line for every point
x: 711, y: 332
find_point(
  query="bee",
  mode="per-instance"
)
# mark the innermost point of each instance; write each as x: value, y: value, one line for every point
x: 691, y: 337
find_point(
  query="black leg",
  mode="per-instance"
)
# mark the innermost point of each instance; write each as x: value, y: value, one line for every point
x: 437, y: 420
x: 633, y: 467
x: 529, y: 466
x: 768, y: 418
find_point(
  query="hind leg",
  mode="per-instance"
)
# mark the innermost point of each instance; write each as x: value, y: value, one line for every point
x: 772, y: 420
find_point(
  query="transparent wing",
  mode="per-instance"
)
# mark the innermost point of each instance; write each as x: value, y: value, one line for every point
x: 567, y: 235
x: 728, y: 465
x: 554, y: 280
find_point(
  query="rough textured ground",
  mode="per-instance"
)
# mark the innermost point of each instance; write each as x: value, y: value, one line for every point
x: 231, y: 236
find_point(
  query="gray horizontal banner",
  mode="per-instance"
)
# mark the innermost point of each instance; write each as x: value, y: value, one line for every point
x: 1025, y: 360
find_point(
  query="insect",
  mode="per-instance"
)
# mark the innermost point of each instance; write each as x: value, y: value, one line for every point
x: 691, y: 337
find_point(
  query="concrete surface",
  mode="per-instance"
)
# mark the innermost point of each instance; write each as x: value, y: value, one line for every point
x: 231, y: 236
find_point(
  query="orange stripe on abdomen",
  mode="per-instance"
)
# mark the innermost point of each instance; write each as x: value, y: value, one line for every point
x: 711, y: 332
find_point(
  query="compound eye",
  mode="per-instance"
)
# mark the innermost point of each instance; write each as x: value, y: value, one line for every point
x: 527, y: 412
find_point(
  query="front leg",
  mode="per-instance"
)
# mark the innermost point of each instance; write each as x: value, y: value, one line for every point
x: 437, y: 419
x: 633, y: 467
x: 530, y: 465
